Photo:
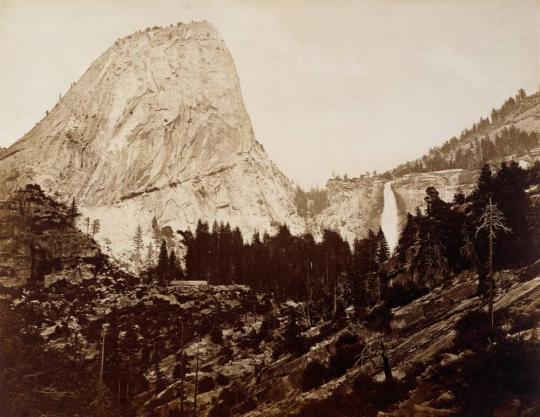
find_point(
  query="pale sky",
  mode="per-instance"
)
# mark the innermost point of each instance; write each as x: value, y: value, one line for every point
x: 344, y: 86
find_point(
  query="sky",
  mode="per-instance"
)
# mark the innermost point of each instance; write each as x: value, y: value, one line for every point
x: 331, y: 86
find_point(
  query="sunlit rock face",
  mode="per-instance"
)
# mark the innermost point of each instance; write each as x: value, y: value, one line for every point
x: 155, y: 127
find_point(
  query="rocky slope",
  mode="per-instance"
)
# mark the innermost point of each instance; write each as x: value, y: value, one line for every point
x: 482, y: 142
x: 422, y: 339
x: 246, y: 354
x: 155, y: 127
x: 38, y: 238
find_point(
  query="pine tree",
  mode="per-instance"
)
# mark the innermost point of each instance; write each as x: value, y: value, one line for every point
x: 407, y: 238
x: 484, y: 186
x: 73, y: 211
x: 459, y: 197
x: 163, y: 264
x: 191, y: 257
x: 356, y: 275
x: 161, y: 383
x: 113, y: 359
x: 175, y: 271
x: 156, y: 231
x: 137, y: 245
x: 372, y: 247
x: 96, y: 227
x: 149, y: 262
x: 383, y: 253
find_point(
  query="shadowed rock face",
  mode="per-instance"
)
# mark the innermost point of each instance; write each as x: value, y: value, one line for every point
x: 155, y: 127
x: 355, y: 206
x: 37, y: 238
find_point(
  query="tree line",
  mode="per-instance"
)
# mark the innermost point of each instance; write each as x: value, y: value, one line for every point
x: 434, y: 245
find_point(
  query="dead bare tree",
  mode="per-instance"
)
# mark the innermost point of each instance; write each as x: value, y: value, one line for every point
x: 386, y: 365
x: 491, y: 221
x: 100, y: 383
x: 182, y: 369
x: 196, y: 393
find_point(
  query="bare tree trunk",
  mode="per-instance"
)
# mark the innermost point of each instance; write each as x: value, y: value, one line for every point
x: 491, y: 283
x: 118, y: 396
x: 100, y: 383
x: 196, y: 384
x: 182, y: 370
x: 334, y: 308
x: 309, y: 295
x: 386, y: 365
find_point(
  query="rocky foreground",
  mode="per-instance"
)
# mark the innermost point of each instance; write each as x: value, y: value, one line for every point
x: 83, y: 338
x: 247, y: 362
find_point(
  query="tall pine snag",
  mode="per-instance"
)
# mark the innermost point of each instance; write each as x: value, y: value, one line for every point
x: 491, y: 221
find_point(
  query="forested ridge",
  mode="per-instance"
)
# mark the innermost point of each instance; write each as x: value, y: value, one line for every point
x: 492, y: 139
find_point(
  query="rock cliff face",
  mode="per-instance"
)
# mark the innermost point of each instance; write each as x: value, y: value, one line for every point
x: 354, y: 206
x: 410, y: 189
x: 38, y: 238
x: 155, y: 127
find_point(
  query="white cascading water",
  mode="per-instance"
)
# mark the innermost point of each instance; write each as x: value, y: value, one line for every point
x: 389, y: 218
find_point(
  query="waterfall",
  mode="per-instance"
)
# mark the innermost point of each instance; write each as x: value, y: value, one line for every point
x: 389, y: 218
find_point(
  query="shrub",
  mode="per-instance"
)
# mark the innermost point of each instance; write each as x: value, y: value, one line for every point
x: 216, y: 335
x: 222, y: 379
x: 206, y: 383
x: 314, y: 376
x: 400, y: 295
x: 322, y: 408
x: 484, y: 380
x: 379, y: 317
x: 474, y: 331
x: 348, y: 349
x: 523, y: 321
x: 266, y: 328
x: 246, y: 406
x: 228, y: 398
x: 377, y: 395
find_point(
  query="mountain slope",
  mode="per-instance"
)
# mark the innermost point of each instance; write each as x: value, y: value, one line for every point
x: 155, y: 127
x: 356, y: 204
x: 512, y: 133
